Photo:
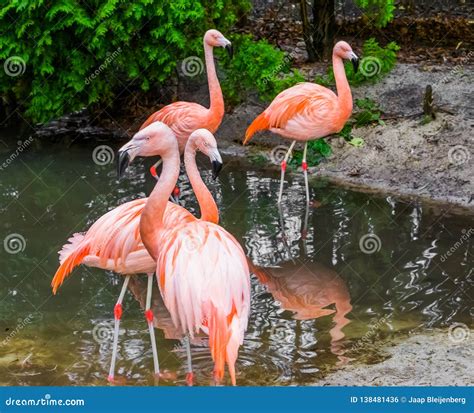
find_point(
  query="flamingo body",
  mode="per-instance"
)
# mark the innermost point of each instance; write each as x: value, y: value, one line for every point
x: 204, y: 280
x: 113, y: 242
x: 185, y: 117
x: 303, y: 112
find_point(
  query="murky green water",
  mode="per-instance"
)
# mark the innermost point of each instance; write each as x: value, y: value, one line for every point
x: 318, y: 301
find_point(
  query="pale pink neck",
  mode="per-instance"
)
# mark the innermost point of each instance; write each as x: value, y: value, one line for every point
x: 207, y: 205
x: 217, y: 101
x: 342, y: 85
x: 151, y: 221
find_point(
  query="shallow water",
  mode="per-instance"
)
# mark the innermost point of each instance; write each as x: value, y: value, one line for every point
x: 320, y: 300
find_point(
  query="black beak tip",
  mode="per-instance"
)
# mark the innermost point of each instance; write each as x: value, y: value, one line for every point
x: 230, y: 50
x: 216, y: 168
x: 123, y: 160
x: 355, y: 63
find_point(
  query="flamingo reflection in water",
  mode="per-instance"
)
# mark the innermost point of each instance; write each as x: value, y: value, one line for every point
x: 309, y: 293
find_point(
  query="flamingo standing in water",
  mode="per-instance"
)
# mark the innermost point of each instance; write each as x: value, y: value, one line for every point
x: 308, y: 111
x: 113, y: 242
x: 202, y: 270
x: 185, y: 117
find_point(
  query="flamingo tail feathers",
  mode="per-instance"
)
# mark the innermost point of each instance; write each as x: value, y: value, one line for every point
x: 259, y: 123
x: 70, y: 256
x: 225, y: 337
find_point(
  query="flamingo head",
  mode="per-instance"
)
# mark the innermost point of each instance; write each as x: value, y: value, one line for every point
x: 215, y: 38
x: 156, y: 139
x: 344, y: 51
x: 204, y: 141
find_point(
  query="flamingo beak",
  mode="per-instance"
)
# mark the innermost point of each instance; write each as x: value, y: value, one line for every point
x: 230, y: 50
x: 355, y: 61
x: 123, y: 160
x: 216, y: 168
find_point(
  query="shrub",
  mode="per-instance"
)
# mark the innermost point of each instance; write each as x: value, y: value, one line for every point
x: 257, y: 66
x: 76, y: 54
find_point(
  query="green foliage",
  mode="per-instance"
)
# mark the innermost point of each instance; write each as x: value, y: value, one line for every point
x: 257, y: 66
x: 379, y: 11
x: 78, y: 54
x: 375, y: 63
x: 317, y: 151
x: 370, y: 113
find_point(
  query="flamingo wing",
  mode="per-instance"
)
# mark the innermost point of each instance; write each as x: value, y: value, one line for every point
x: 204, y: 280
x: 300, y: 112
x: 183, y: 118
x: 113, y: 242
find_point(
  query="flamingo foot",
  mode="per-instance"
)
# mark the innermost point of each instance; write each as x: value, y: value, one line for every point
x: 190, y: 378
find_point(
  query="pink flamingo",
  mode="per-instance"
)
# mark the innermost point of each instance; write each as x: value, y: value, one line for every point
x: 202, y: 270
x: 185, y: 117
x: 113, y: 242
x: 308, y: 111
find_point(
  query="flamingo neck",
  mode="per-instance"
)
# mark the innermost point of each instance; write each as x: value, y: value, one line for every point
x: 151, y: 221
x: 207, y: 205
x: 216, y: 110
x: 342, y: 85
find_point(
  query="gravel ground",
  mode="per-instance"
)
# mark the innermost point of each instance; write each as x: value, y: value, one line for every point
x: 427, y: 359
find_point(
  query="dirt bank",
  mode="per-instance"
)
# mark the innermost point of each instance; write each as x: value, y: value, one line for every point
x: 404, y: 156
x: 425, y: 359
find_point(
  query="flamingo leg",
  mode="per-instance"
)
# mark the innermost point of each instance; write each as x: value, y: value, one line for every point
x: 117, y: 316
x: 304, y: 166
x: 151, y: 329
x: 189, y: 371
x: 283, y: 169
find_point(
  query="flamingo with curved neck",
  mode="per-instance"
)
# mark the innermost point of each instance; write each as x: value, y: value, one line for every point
x: 113, y: 242
x: 308, y: 111
x: 202, y: 270
x: 185, y: 117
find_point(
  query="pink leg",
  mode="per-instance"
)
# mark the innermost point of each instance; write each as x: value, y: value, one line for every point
x: 118, y: 316
x: 283, y: 169
x: 151, y: 329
